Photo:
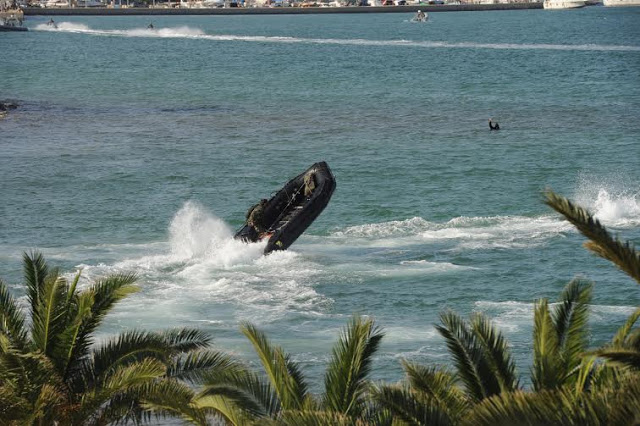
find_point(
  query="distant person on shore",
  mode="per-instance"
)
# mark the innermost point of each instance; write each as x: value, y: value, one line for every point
x: 493, y: 126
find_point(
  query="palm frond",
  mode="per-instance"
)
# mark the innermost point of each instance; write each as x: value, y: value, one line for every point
x: 626, y: 403
x: 140, y: 372
x: 497, y: 352
x: 195, y: 367
x: 245, y: 389
x: 403, y: 404
x: 107, y: 292
x: 186, y: 339
x: 12, y: 319
x: 557, y: 407
x: 350, y: 365
x: 437, y: 385
x: 586, y: 374
x: 315, y: 418
x: 49, y: 316
x: 124, y: 349
x: 570, y: 321
x: 291, y: 390
x: 170, y: 398
x: 228, y: 408
x: 468, y: 357
x: 547, y: 371
x: 601, y: 242
x: 71, y: 348
x: 35, y: 271
x: 629, y: 358
x: 621, y: 335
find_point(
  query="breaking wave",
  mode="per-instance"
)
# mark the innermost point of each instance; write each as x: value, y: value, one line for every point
x: 613, y: 201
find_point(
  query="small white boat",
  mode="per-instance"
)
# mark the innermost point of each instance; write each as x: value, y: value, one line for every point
x: 563, y: 4
x: 57, y: 3
x: 90, y: 3
x: 620, y: 3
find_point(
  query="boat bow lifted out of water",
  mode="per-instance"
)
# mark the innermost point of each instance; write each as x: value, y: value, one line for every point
x: 290, y: 211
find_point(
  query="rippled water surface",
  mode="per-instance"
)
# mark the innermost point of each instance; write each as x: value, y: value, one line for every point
x: 140, y: 150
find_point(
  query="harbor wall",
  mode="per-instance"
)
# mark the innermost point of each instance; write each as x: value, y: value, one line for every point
x: 102, y: 11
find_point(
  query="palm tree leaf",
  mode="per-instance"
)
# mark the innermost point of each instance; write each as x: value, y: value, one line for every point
x: 246, y: 389
x: 124, y: 349
x: 12, y: 319
x: 621, y: 335
x: 71, y: 348
x: 547, y: 372
x: 49, y: 316
x: 602, y: 243
x: 35, y: 271
x: 556, y: 407
x: 587, y: 373
x: 469, y: 359
x: 625, y: 403
x: 629, y: 358
x: 230, y: 408
x: 345, y: 379
x: 315, y: 418
x: 186, y: 339
x: 570, y: 321
x: 497, y: 352
x: 137, y: 373
x: 171, y: 398
x: 437, y: 385
x: 107, y: 292
x: 403, y: 404
x: 195, y: 367
x: 291, y: 390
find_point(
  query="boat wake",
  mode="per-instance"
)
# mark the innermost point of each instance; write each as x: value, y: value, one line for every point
x: 70, y: 27
x: 203, y: 264
x: 195, y: 33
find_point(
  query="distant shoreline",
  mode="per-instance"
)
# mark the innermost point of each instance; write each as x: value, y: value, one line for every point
x: 103, y: 11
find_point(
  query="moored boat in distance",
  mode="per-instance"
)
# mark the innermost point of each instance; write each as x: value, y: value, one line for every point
x: 292, y: 209
x: 620, y: 3
x: 11, y: 24
x: 563, y: 4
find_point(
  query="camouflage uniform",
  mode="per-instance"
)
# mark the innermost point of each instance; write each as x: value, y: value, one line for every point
x: 255, y: 216
x: 309, y: 184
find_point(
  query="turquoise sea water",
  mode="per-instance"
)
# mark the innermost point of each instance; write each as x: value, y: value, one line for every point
x: 140, y: 150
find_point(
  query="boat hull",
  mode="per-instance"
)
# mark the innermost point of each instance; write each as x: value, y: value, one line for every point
x: 4, y: 28
x: 563, y: 4
x: 620, y: 3
x: 290, y: 212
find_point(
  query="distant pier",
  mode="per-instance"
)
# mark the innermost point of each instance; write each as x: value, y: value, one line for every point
x: 103, y: 11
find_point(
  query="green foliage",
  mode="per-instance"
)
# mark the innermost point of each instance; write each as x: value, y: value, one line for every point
x: 346, y: 377
x: 51, y: 371
x: 601, y: 242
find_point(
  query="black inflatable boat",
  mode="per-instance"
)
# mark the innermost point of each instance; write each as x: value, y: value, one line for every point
x: 290, y: 212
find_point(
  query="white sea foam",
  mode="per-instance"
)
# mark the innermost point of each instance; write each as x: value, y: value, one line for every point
x: 467, y: 233
x: 613, y: 200
x: 188, y: 32
x: 204, y: 264
x: 72, y: 27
